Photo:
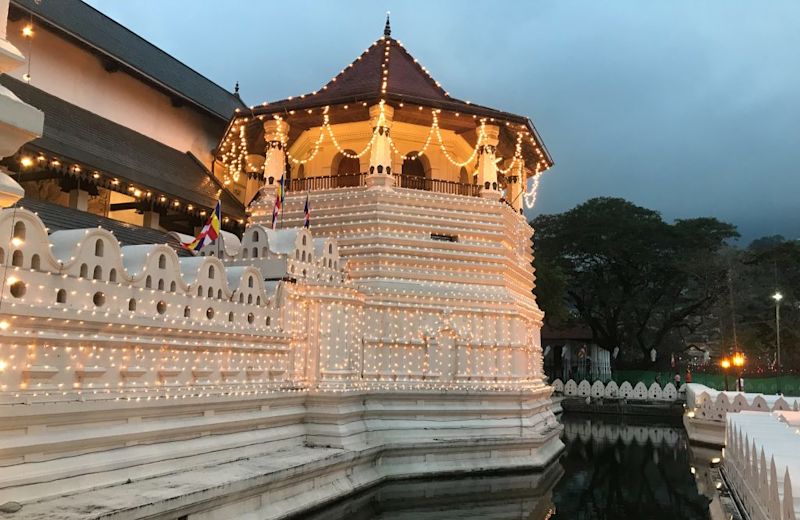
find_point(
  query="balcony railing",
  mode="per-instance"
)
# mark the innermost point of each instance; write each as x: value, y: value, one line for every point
x: 349, y: 181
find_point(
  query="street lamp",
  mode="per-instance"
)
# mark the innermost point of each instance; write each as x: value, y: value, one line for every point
x: 725, y: 364
x: 778, y: 297
x: 738, y: 362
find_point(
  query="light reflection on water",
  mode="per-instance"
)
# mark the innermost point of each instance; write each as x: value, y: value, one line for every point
x: 609, y: 470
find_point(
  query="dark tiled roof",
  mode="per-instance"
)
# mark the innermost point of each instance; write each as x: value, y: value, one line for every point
x: 71, y: 132
x: 363, y: 80
x: 58, y: 218
x: 91, y: 28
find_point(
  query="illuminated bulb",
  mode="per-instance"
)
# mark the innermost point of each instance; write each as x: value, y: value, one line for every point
x: 16, y: 241
x: 27, y: 31
x: 26, y: 161
x: 4, y: 325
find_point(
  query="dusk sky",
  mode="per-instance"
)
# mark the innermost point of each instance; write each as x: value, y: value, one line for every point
x: 688, y: 107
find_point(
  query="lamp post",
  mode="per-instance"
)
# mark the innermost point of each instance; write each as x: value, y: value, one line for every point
x: 778, y: 297
x: 738, y: 362
x: 725, y: 364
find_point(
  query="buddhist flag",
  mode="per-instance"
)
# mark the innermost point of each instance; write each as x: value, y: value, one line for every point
x: 276, y: 208
x: 209, y: 233
x: 282, y: 189
x: 307, y: 214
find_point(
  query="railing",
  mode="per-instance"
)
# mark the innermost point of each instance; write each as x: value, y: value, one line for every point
x: 328, y: 182
x: 439, y: 186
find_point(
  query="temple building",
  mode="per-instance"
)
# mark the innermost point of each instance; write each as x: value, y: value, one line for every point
x: 130, y: 131
x: 372, y: 318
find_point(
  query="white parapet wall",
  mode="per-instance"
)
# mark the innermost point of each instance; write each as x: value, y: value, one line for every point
x: 762, y: 463
x: 306, y: 364
x: 611, y: 390
x: 707, y: 410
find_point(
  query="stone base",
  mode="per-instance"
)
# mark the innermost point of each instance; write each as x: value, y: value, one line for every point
x: 263, y: 457
x: 380, y: 181
x: 705, y: 431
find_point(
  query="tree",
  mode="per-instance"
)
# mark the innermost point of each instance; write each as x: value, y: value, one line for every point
x: 634, y: 279
x: 769, y: 264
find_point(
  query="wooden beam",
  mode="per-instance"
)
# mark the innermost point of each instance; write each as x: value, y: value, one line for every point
x: 122, y: 206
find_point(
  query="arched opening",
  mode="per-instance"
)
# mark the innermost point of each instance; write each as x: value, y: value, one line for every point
x: 19, y: 230
x: 160, y: 284
x: 84, y: 273
x: 98, y: 273
x: 415, y: 170
x: 463, y: 176
x: 347, y: 170
x: 98, y: 247
x: 132, y: 304
x: 162, y: 262
x: 112, y: 275
x: 210, y: 272
x: 35, y: 262
x: 187, y: 312
x: 17, y: 258
x: 148, y: 282
x: 172, y: 286
x: 61, y: 296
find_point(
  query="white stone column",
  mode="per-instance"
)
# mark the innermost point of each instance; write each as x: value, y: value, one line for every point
x: 487, y: 167
x: 19, y: 123
x: 276, y: 135
x: 79, y: 199
x: 380, y: 158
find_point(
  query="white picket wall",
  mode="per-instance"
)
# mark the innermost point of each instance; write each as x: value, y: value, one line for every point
x: 610, y: 390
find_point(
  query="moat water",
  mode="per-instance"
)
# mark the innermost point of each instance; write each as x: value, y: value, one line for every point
x: 611, y: 469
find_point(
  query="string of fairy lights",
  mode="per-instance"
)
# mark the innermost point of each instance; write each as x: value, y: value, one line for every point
x: 234, y: 146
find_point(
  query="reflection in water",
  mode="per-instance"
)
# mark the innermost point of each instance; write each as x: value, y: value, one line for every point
x: 626, y: 470
x: 609, y: 469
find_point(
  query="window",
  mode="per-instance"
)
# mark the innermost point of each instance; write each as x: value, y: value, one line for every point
x: 148, y: 282
x: 160, y: 284
x: 250, y: 281
x: 250, y: 317
x: 172, y: 286
x: 258, y: 300
x: 249, y: 299
x: 98, y: 273
x: 187, y: 312
x: 19, y: 230
x: 304, y: 240
x: 210, y: 293
x: 112, y: 275
x: 98, y: 247
x: 268, y: 321
x: 219, y: 294
x: 255, y: 236
x: 199, y: 290
x: 99, y: 299
x: 161, y: 307
x: 61, y: 296
x: 35, y: 262
x: 415, y: 170
x: 18, y: 289
x: 241, y: 297
x: 330, y: 249
x: 162, y: 261
x: 84, y: 271
x: 210, y: 272
x: 132, y: 304
x: 210, y: 313
x: 230, y: 316
x: 17, y: 258
x: 255, y: 252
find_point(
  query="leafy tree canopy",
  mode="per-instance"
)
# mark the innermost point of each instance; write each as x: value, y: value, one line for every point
x: 633, y: 278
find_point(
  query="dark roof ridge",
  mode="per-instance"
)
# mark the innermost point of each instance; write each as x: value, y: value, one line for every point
x: 39, y: 11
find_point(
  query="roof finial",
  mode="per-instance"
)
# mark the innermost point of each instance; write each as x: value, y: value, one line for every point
x: 387, y: 30
x: 236, y: 88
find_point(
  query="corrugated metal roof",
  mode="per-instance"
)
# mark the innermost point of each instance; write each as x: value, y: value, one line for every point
x: 59, y: 218
x: 92, y: 28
